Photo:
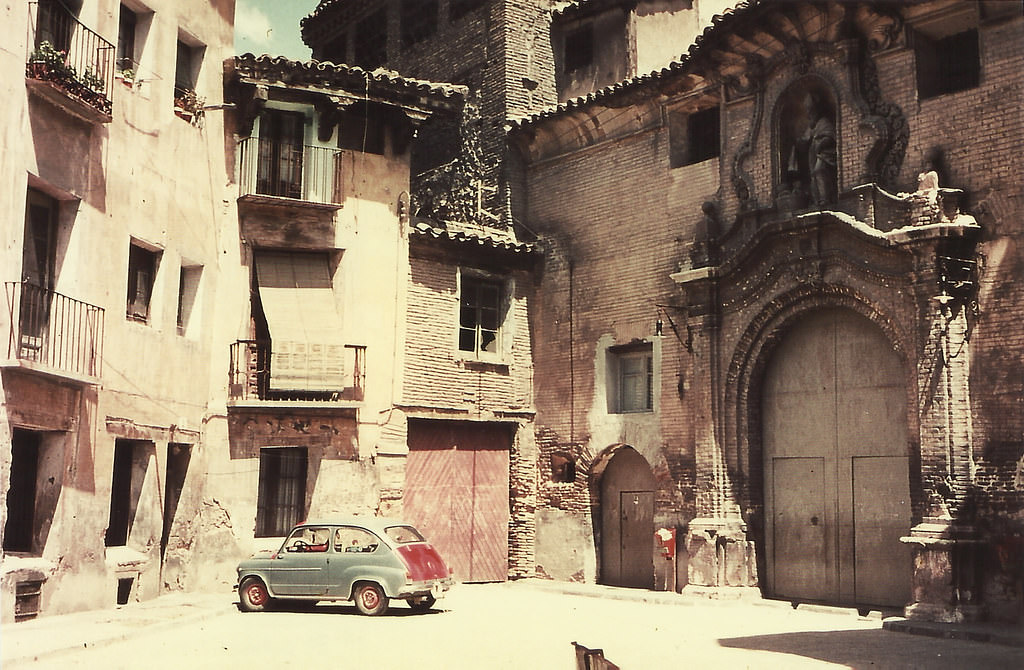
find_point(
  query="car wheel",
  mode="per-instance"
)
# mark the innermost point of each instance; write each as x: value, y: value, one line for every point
x: 253, y: 595
x: 422, y: 603
x: 370, y: 599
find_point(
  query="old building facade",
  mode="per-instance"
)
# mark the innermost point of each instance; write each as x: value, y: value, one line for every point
x: 778, y: 290
x: 115, y: 182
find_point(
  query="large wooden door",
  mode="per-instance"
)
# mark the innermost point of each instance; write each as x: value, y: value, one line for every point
x: 836, y: 465
x: 457, y: 493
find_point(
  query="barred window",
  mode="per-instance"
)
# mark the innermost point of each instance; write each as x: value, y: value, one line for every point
x: 281, y: 499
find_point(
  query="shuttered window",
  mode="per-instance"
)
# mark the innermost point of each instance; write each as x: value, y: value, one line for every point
x: 307, y: 349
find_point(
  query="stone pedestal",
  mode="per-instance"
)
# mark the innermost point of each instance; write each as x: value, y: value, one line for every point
x: 720, y: 555
x: 945, y: 580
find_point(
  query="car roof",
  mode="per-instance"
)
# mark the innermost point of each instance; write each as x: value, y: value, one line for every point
x: 377, y: 523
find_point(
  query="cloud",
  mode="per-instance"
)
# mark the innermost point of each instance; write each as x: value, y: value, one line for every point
x: 252, y: 25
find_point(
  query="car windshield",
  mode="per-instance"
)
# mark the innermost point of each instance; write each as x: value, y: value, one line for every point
x: 403, y: 534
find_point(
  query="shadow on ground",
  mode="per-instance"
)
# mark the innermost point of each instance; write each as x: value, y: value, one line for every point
x: 301, y: 607
x: 874, y: 649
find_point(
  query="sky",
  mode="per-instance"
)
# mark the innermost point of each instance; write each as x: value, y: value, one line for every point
x: 271, y: 27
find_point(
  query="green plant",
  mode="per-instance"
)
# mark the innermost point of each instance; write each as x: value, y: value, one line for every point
x: 54, y: 59
x: 189, y: 101
x: 93, y: 80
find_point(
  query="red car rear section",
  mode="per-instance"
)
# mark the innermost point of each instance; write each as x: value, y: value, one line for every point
x: 423, y: 562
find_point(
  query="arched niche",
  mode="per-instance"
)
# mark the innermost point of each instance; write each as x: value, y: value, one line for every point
x: 806, y: 127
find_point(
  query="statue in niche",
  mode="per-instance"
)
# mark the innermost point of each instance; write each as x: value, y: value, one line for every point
x: 811, y: 166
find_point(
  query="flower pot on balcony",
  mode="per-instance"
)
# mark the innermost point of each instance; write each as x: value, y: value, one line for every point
x: 38, y: 70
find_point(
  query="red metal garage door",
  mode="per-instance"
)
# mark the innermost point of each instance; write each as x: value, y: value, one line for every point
x: 456, y: 492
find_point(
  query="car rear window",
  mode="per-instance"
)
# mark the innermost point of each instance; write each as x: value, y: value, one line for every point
x: 403, y: 534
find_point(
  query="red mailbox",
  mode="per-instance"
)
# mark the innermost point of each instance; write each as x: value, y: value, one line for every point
x: 666, y: 542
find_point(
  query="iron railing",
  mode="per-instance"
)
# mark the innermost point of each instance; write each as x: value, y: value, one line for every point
x: 70, y: 55
x: 251, y: 369
x: 53, y: 330
x: 285, y: 170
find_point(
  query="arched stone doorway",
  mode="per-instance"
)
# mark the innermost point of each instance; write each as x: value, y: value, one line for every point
x: 627, y: 521
x: 836, y: 464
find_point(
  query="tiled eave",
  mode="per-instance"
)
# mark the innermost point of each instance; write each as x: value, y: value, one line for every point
x: 741, y: 46
x: 428, y: 239
x: 330, y: 78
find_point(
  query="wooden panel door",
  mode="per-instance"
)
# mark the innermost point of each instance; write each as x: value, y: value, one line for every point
x: 456, y: 493
x: 636, y: 537
x: 801, y: 566
x: 881, y: 515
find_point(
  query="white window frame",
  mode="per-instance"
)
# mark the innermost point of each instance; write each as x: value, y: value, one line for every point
x: 506, y: 287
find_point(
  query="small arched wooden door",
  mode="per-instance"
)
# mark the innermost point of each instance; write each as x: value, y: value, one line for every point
x: 836, y: 464
x: 627, y: 521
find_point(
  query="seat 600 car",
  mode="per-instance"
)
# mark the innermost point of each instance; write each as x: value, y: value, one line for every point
x: 367, y: 560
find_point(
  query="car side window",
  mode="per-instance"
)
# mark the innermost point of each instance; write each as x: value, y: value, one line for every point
x: 308, y: 539
x: 355, y: 541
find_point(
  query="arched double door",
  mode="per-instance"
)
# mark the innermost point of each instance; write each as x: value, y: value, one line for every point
x: 836, y: 464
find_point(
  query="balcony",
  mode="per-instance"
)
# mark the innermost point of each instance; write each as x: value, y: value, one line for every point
x: 322, y: 379
x: 274, y: 171
x: 53, y: 333
x: 70, y: 65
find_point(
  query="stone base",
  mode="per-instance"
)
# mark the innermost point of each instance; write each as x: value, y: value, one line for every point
x: 720, y: 555
x: 945, y: 579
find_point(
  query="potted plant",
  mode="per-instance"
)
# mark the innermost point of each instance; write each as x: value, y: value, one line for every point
x: 49, y: 64
x: 188, y: 105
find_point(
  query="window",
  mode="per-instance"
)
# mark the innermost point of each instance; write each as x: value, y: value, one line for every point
x: 355, y: 541
x: 947, y: 65
x: 131, y: 462
x: 308, y: 540
x: 632, y: 379
x: 693, y: 137
x: 579, y: 49
x: 371, y: 40
x: 38, y: 262
x: 188, y: 289
x: 279, y: 164
x: 142, y: 264
x: 281, y: 499
x: 21, y: 496
x: 419, y: 20
x: 56, y: 21
x: 186, y: 75
x: 459, y: 8
x: 480, y: 316
x: 126, y: 27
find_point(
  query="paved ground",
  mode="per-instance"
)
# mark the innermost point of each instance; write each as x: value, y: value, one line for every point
x: 527, y: 624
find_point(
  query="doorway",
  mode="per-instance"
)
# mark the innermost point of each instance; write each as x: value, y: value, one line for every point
x: 627, y: 521
x: 836, y: 464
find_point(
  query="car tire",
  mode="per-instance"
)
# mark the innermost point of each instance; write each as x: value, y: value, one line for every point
x: 253, y: 595
x: 422, y: 603
x: 370, y: 599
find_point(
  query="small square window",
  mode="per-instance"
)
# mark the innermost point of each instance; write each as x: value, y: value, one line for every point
x: 579, y: 49
x: 947, y: 65
x: 186, y: 75
x: 480, y: 317
x: 142, y: 265
x: 693, y: 137
x: 631, y: 380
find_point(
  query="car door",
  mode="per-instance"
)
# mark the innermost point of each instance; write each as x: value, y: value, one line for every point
x: 300, y: 568
x: 358, y: 554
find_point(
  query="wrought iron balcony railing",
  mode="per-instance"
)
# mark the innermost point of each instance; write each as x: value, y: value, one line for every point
x: 284, y: 170
x: 252, y: 377
x: 53, y: 330
x: 69, y: 55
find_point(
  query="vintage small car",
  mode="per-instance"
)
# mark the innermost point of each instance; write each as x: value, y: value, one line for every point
x: 365, y: 559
